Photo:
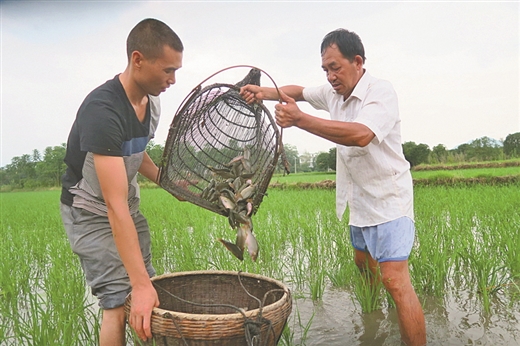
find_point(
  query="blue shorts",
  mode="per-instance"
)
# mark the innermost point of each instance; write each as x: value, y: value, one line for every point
x: 91, y: 238
x: 389, y: 241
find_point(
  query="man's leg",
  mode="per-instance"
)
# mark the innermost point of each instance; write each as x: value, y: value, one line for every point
x: 396, y: 279
x: 113, y: 327
x: 367, y: 266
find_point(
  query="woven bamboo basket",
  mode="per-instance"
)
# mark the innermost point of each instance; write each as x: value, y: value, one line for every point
x: 201, y: 308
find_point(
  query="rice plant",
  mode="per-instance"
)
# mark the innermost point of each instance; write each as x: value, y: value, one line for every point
x: 466, y: 248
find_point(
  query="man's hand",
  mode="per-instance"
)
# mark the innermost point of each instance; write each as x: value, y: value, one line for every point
x: 251, y: 93
x: 144, y: 299
x: 287, y: 113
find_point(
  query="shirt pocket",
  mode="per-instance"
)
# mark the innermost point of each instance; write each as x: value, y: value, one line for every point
x: 355, y: 151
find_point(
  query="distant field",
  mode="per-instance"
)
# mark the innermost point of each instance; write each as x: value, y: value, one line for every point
x: 468, y: 173
x: 303, y: 177
x: 469, y: 165
x: 447, y: 175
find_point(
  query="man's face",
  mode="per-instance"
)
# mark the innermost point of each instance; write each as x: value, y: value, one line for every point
x: 342, y: 74
x: 158, y: 74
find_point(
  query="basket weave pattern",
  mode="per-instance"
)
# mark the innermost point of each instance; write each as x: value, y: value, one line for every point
x: 216, y: 325
x: 213, y: 126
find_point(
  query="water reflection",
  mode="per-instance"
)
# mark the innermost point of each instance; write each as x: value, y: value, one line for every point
x: 452, y: 320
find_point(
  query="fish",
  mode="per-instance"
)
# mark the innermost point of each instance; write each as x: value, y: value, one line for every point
x: 235, y: 250
x: 245, y: 193
x: 222, y: 172
x: 251, y: 243
x: 241, y: 237
x: 226, y: 202
x: 233, y: 190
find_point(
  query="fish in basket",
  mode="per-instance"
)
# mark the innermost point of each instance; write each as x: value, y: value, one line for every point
x: 220, y: 154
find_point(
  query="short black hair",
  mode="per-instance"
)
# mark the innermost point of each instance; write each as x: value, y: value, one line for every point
x: 348, y: 42
x: 149, y: 37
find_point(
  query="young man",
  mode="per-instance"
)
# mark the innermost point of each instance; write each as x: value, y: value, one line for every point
x: 100, y: 195
x: 372, y: 176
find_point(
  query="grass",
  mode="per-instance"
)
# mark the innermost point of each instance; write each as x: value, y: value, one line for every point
x: 422, y: 175
x: 467, y: 173
x: 467, y: 238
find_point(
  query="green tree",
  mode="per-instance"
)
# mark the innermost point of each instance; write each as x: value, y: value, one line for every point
x: 332, y: 158
x: 21, y: 172
x: 416, y: 153
x: 439, y: 154
x: 155, y: 151
x: 483, y: 149
x: 51, y: 168
x: 322, y: 162
x: 512, y: 145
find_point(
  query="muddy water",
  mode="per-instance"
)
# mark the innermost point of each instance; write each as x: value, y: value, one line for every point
x: 454, y: 320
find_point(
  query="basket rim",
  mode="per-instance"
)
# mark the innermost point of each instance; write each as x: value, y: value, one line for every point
x: 159, y: 312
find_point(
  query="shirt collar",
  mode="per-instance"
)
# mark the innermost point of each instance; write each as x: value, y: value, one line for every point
x: 361, y: 87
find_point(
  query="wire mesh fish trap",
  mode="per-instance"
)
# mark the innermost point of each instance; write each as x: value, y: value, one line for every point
x: 218, y: 145
x: 224, y: 308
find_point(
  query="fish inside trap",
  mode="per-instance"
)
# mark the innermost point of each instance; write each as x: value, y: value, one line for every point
x: 220, y: 154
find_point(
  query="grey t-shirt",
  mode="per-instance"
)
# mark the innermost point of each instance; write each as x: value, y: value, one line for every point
x: 106, y: 124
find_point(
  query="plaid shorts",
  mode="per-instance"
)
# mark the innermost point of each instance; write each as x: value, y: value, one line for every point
x: 389, y: 241
x: 90, y: 237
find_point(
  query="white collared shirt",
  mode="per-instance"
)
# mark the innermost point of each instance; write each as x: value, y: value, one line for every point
x: 374, y: 181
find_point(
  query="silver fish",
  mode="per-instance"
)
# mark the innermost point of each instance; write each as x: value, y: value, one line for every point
x: 246, y: 193
x: 251, y: 244
x: 235, y: 250
x: 241, y: 237
x: 227, y: 203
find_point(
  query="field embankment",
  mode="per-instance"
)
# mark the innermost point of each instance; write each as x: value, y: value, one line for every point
x: 468, y: 165
x: 467, y: 174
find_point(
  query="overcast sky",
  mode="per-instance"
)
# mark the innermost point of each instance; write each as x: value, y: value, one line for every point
x: 454, y: 65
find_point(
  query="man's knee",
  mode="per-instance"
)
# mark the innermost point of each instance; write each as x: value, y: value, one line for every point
x: 395, y: 277
x: 115, y: 315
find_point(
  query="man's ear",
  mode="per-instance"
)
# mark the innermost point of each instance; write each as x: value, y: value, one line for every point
x: 359, y: 60
x: 136, y: 59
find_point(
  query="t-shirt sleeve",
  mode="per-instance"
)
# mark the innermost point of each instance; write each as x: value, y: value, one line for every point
x: 155, y: 113
x: 101, y: 129
x: 317, y: 96
x: 380, y: 111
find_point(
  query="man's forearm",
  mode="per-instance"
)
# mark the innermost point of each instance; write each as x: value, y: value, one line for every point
x: 149, y: 169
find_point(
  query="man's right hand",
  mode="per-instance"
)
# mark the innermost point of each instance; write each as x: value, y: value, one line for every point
x: 144, y: 299
x: 252, y: 93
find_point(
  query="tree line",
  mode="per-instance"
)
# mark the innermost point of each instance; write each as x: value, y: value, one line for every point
x: 43, y: 170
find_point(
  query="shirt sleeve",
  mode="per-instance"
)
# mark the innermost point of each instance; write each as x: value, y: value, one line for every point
x: 379, y: 112
x: 101, y: 130
x: 317, y: 96
x: 155, y: 113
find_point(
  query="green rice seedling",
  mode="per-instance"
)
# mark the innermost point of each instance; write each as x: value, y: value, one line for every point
x: 317, y: 284
x: 367, y: 291
x: 469, y: 230
x: 342, y: 268
x: 288, y: 333
x: 287, y: 337
x: 430, y: 265
x: 43, y: 285
x: 466, y: 246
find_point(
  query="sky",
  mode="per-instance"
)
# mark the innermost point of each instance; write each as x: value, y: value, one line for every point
x: 454, y: 65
